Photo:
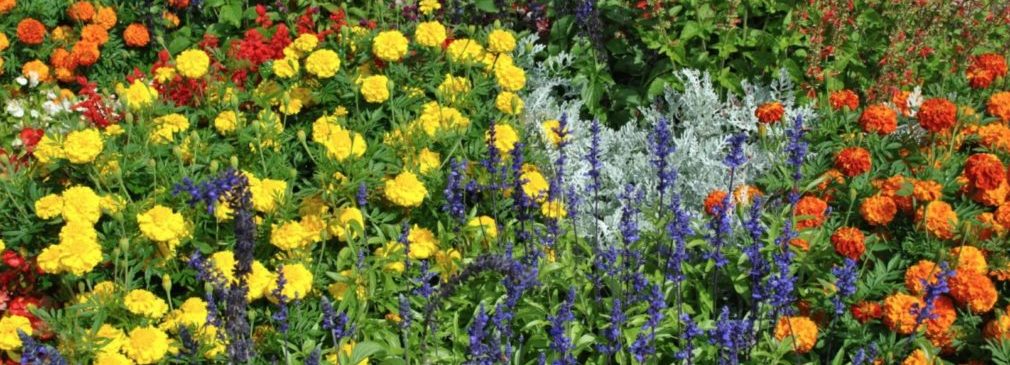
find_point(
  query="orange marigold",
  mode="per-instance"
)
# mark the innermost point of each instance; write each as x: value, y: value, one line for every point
x: 999, y: 106
x: 900, y: 101
x: 892, y: 187
x: 915, y: 275
x: 31, y: 32
x: 714, y: 201
x: 853, y: 161
x: 7, y: 5
x: 945, y: 315
x: 878, y: 210
x: 926, y: 190
x: 849, y: 242
x: 918, y: 357
x: 65, y: 75
x: 939, y: 219
x: 136, y: 35
x: 770, y: 112
x: 1002, y: 215
x: 979, y: 78
x: 81, y: 11
x: 802, y: 330
x: 85, y: 53
x: 94, y: 33
x: 993, y: 62
x: 988, y: 226
x: 866, y: 311
x: 974, y: 290
x: 992, y: 197
x: 832, y: 176
x: 898, y: 314
x: 37, y: 68
x: 744, y: 194
x: 937, y: 115
x: 106, y: 17
x: 995, y: 136
x: 61, y: 58
x: 809, y: 212
x: 999, y: 327
x: 970, y: 258
x: 984, y: 171
x: 879, y: 119
x: 844, y: 99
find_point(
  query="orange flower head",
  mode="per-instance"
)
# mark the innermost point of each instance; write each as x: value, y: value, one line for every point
x: 878, y: 210
x: 879, y: 119
x: 832, y: 176
x: 769, y: 113
x: 926, y: 190
x: 898, y: 312
x: 802, y: 330
x: 853, y: 161
x: 984, y: 171
x: 970, y: 258
x: 939, y: 219
x: 916, y: 275
x: 745, y: 194
x: 714, y: 201
x: 918, y: 357
x: 900, y: 101
x: 37, y: 68
x: 988, y: 226
x: 61, y: 58
x: 999, y: 327
x: 992, y: 197
x: 999, y: 106
x: 31, y: 32
x: 937, y: 115
x: 866, y: 311
x: 7, y: 5
x: 844, y: 99
x: 106, y: 17
x: 979, y: 78
x: 993, y: 62
x: 94, y: 33
x: 81, y: 11
x: 849, y: 242
x: 810, y: 212
x: 1002, y: 215
x: 800, y: 244
x: 974, y: 290
x: 85, y: 53
x: 136, y: 35
x: 995, y: 136
x: 945, y: 315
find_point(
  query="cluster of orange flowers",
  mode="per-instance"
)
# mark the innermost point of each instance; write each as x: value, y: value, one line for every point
x: 984, y: 69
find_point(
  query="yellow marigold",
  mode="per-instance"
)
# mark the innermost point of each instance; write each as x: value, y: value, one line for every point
x: 427, y: 161
x: 510, y: 78
x: 165, y: 127
x: 112, y: 337
x: 801, y: 329
x: 289, y: 236
x: 79, y: 252
x: 427, y: 7
x: 509, y: 103
x: 192, y: 63
x: 49, y: 206
x: 4, y: 41
x: 305, y: 43
x: 970, y: 258
x: 224, y: 263
x: 430, y: 34
x: 405, y: 190
x: 939, y: 219
x: 974, y: 290
x: 338, y: 289
x: 83, y: 146
x: 505, y: 138
x: 144, y: 303
x: 226, y: 122
x: 192, y: 313
x: 323, y: 63
x: 86, y: 207
x: 898, y: 314
x: 453, y: 88
x: 164, y: 74
x: 112, y: 358
x: 554, y: 209
x: 259, y: 281
x: 48, y: 150
x: 36, y: 70
x: 483, y: 225
x: 346, y: 219
x: 147, y: 345
x: 423, y: 243
x: 390, y: 45
x: 105, y: 17
x: 298, y: 282
x: 917, y: 357
x: 140, y: 95
x: 286, y: 67
x: 375, y: 88
x: 447, y: 260
x: 266, y: 193
x: 464, y: 50
x: 9, y: 327
x: 999, y: 106
x: 161, y: 224
x: 339, y: 142
x: 535, y: 185
x: 501, y: 41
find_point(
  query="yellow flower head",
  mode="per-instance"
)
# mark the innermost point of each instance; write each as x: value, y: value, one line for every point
x: 49, y: 206
x: 505, y: 138
x: 509, y: 103
x: 405, y: 190
x: 192, y: 313
x: 9, y: 327
x: 510, y: 77
x: 112, y: 337
x: 465, y: 50
x: 48, y: 150
x: 290, y: 235
x: 146, y: 345
x: 286, y: 67
x: 390, y: 46
x: 266, y: 193
x: 500, y: 41
x: 86, y: 207
x: 298, y: 282
x: 161, y: 224
x: 226, y: 122
x: 423, y: 243
x: 340, y: 143
x: 375, y: 88
x: 323, y: 63
x: 345, y: 220
x: 554, y: 209
x: 427, y: 7
x: 483, y: 225
x: 140, y: 95
x: 82, y: 147
x: 305, y: 43
x: 192, y: 63
x: 430, y: 34
x: 165, y: 127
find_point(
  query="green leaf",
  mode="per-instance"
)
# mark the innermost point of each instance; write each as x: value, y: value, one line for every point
x: 363, y: 350
x: 232, y: 14
x: 486, y: 6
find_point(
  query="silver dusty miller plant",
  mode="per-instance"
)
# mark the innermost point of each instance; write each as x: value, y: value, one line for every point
x: 701, y: 120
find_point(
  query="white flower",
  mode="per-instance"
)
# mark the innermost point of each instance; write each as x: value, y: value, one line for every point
x: 15, y: 109
x: 21, y: 80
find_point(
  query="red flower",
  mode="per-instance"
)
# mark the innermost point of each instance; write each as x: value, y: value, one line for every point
x: 866, y: 311
x: 30, y: 137
x: 13, y: 259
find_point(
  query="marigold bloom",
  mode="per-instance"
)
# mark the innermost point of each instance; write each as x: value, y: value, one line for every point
x: 81, y: 11
x: 146, y: 345
x: 405, y: 190
x: 944, y: 316
x: 136, y: 35
x: 992, y: 197
x: 924, y: 270
x: 500, y: 41
x: 937, y: 115
x: 810, y: 212
x: 974, y: 290
x: 994, y: 63
x: 105, y: 17
x: 7, y: 5
x: 323, y: 63
x: 984, y: 171
x: 995, y: 136
x: 999, y: 327
x: 843, y: 99
x: 1002, y: 215
x: 801, y: 329
x: 9, y: 327
x: 917, y: 357
x: 878, y: 118
x: 866, y: 311
x: 192, y: 63
x: 970, y: 258
x: 878, y: 210
x: 144, y: 303
x: 31, y: 32
x: 900, y: 100
x: 939, y: 219
x: 849, y: 242
x: 714, y: 201
x: 390, y: 45
x: 853, y: 161
x: 37, y: 70
x: 85, y: 53
x: 999, y: 106
x: 898, y: 312
x: 94, y: 33
x: 770, y: 112
x: 430, y: 34
x: 375, y: 88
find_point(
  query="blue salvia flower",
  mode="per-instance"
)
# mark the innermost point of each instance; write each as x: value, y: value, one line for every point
x: 736, y: 157
x: 336, y: 323
x: 865, y: 355
x: 797, y: 151
x: 493, y: 161
x: 643, y: 345
x: 845, y: 283
x: 404, y: 240
x: 281, y: 316
x: 782, y: 283
x: 501, y: 347
x: 572, y: 201
x: 189, y: 345
x: 560, y: 343
x: 405, y: 316
x: 521, y: 204
x: 691, y: 331
x: 594, y: 158
x: 362, y: 195
x: 612, y: 334
x: 424, y: 287
x: 732, y: 336
x: 679, y: 229
x: 933, y: 291
x: 758, y: 265
x: 454, y: 192
x: 313, y: 358
x: 480, y: 352
x: 661, y: 146
x: 209, y: 192
x: 35, y: 353
x: 629, y: 214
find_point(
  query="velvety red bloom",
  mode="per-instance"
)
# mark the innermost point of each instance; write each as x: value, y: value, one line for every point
x: 95, y: 109
x: 30, y: 137
x: 306, y: 23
